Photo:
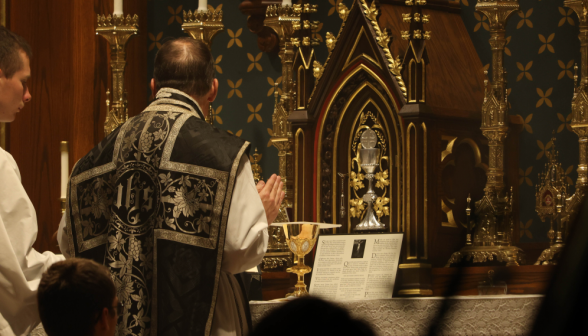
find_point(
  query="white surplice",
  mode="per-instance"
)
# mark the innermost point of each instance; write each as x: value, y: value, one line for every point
x: 21, y: 266
x: 245, y: 245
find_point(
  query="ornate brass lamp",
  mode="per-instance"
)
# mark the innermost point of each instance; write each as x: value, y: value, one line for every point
x: 551, y: 203
x: 493, y: 231
x: 117, y: 30
x: 203, y: 26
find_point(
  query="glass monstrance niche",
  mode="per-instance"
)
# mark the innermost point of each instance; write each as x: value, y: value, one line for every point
x: 369, y: 178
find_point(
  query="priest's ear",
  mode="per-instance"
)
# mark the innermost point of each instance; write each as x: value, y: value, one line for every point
x: 211, y: 95
x: 153, y: 89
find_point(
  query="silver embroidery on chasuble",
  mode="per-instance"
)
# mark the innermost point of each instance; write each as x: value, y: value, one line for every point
x: 151, y: 203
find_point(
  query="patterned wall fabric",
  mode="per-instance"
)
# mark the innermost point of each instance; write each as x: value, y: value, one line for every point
x: 542, y: 48
x: 541, y: 52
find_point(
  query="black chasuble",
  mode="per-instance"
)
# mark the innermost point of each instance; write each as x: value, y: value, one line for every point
x: 151, y: 203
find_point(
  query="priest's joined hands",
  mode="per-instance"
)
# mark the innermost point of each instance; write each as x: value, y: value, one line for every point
x: 166, y: 203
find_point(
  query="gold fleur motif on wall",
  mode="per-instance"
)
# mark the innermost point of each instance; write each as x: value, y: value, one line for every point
x: 525, y: 71
x: 566, y: 69
x: 217, y: 67
x: 506, y: 50
x: 482, y: 22
x: 543, y: 148
x: 544, y: 97
x: 271, y: 134
x: 526, y: 123
x: 254, y: 112
x: 315, y: 32
x: 525, y: 19
x: 565, y: 122
x: 175, y: 15
x: 235, y: 88
x: 566, y: 17
x: 155, y: 41
x: 524, y: 229
x: 335, y: 4
x: 546, y: 43
x: 254, y: 61
x: 524, y: 176
x: 567, y: 172
x: 238, y: 133
x: 218, y: 8
x: 235, y: 38
x: 215, y: 114
x: 273, y: 84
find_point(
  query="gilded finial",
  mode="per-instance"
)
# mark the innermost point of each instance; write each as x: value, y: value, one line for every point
x: 255, y: 167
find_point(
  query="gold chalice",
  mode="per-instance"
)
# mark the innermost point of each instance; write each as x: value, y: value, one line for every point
x: 301, y: 237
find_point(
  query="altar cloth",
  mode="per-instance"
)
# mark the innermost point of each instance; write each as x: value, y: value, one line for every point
x: 466, y: 315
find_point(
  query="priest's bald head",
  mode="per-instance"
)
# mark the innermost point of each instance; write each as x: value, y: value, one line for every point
x: 187, y: 65
x: 15, y: 70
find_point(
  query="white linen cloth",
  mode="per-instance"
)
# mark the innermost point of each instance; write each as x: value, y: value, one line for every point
x: 245, y: 245
x: 21, y: 266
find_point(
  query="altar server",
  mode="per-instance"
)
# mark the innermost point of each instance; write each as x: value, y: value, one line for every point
x: 168, y: 203
x: 21, y: 266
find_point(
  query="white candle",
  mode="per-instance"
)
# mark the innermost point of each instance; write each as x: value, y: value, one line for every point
x: 118, y: 9
x: 64, y: 167
x: 202, y: 5
x: 286, y: 3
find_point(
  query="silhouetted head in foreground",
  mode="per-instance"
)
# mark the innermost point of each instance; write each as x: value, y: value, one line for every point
x: 310, y: 316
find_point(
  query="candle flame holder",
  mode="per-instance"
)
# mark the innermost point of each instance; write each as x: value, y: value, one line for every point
x: 117, y: 30
x: 203, y: 26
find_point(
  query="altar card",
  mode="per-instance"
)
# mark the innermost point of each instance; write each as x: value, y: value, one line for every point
x: 355, y: 266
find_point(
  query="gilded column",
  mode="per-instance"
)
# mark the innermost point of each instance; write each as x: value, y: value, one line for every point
x: 285, y: 20
x: 579, y: 121
x: 493, y: 232
x: 203, y: 26
x: 117, y: 30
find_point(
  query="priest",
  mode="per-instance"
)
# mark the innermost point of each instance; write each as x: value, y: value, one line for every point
x: 168, y: 203
x: 21, y: 266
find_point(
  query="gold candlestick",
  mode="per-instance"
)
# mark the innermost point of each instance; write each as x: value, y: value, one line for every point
x: 203, y: 26
x: 568, y: 207
x: 117, y: 30
x: 285, y: 21
x: 492, y: 237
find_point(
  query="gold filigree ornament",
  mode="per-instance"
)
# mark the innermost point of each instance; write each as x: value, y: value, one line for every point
x: 343, y: 11
x: 380, y: 207
x: 356, y: 180
x: 331, y: 40
x: 356, y: 207
x: 394, y: 65
x: 317, y: 69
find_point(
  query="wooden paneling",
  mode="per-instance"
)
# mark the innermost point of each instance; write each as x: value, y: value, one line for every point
x: 454, y: 66
x: 464, y: 281
x: 70, y: 75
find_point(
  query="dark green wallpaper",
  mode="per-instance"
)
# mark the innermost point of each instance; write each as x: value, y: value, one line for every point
x: 541, y: 51
x: 542, y: 48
